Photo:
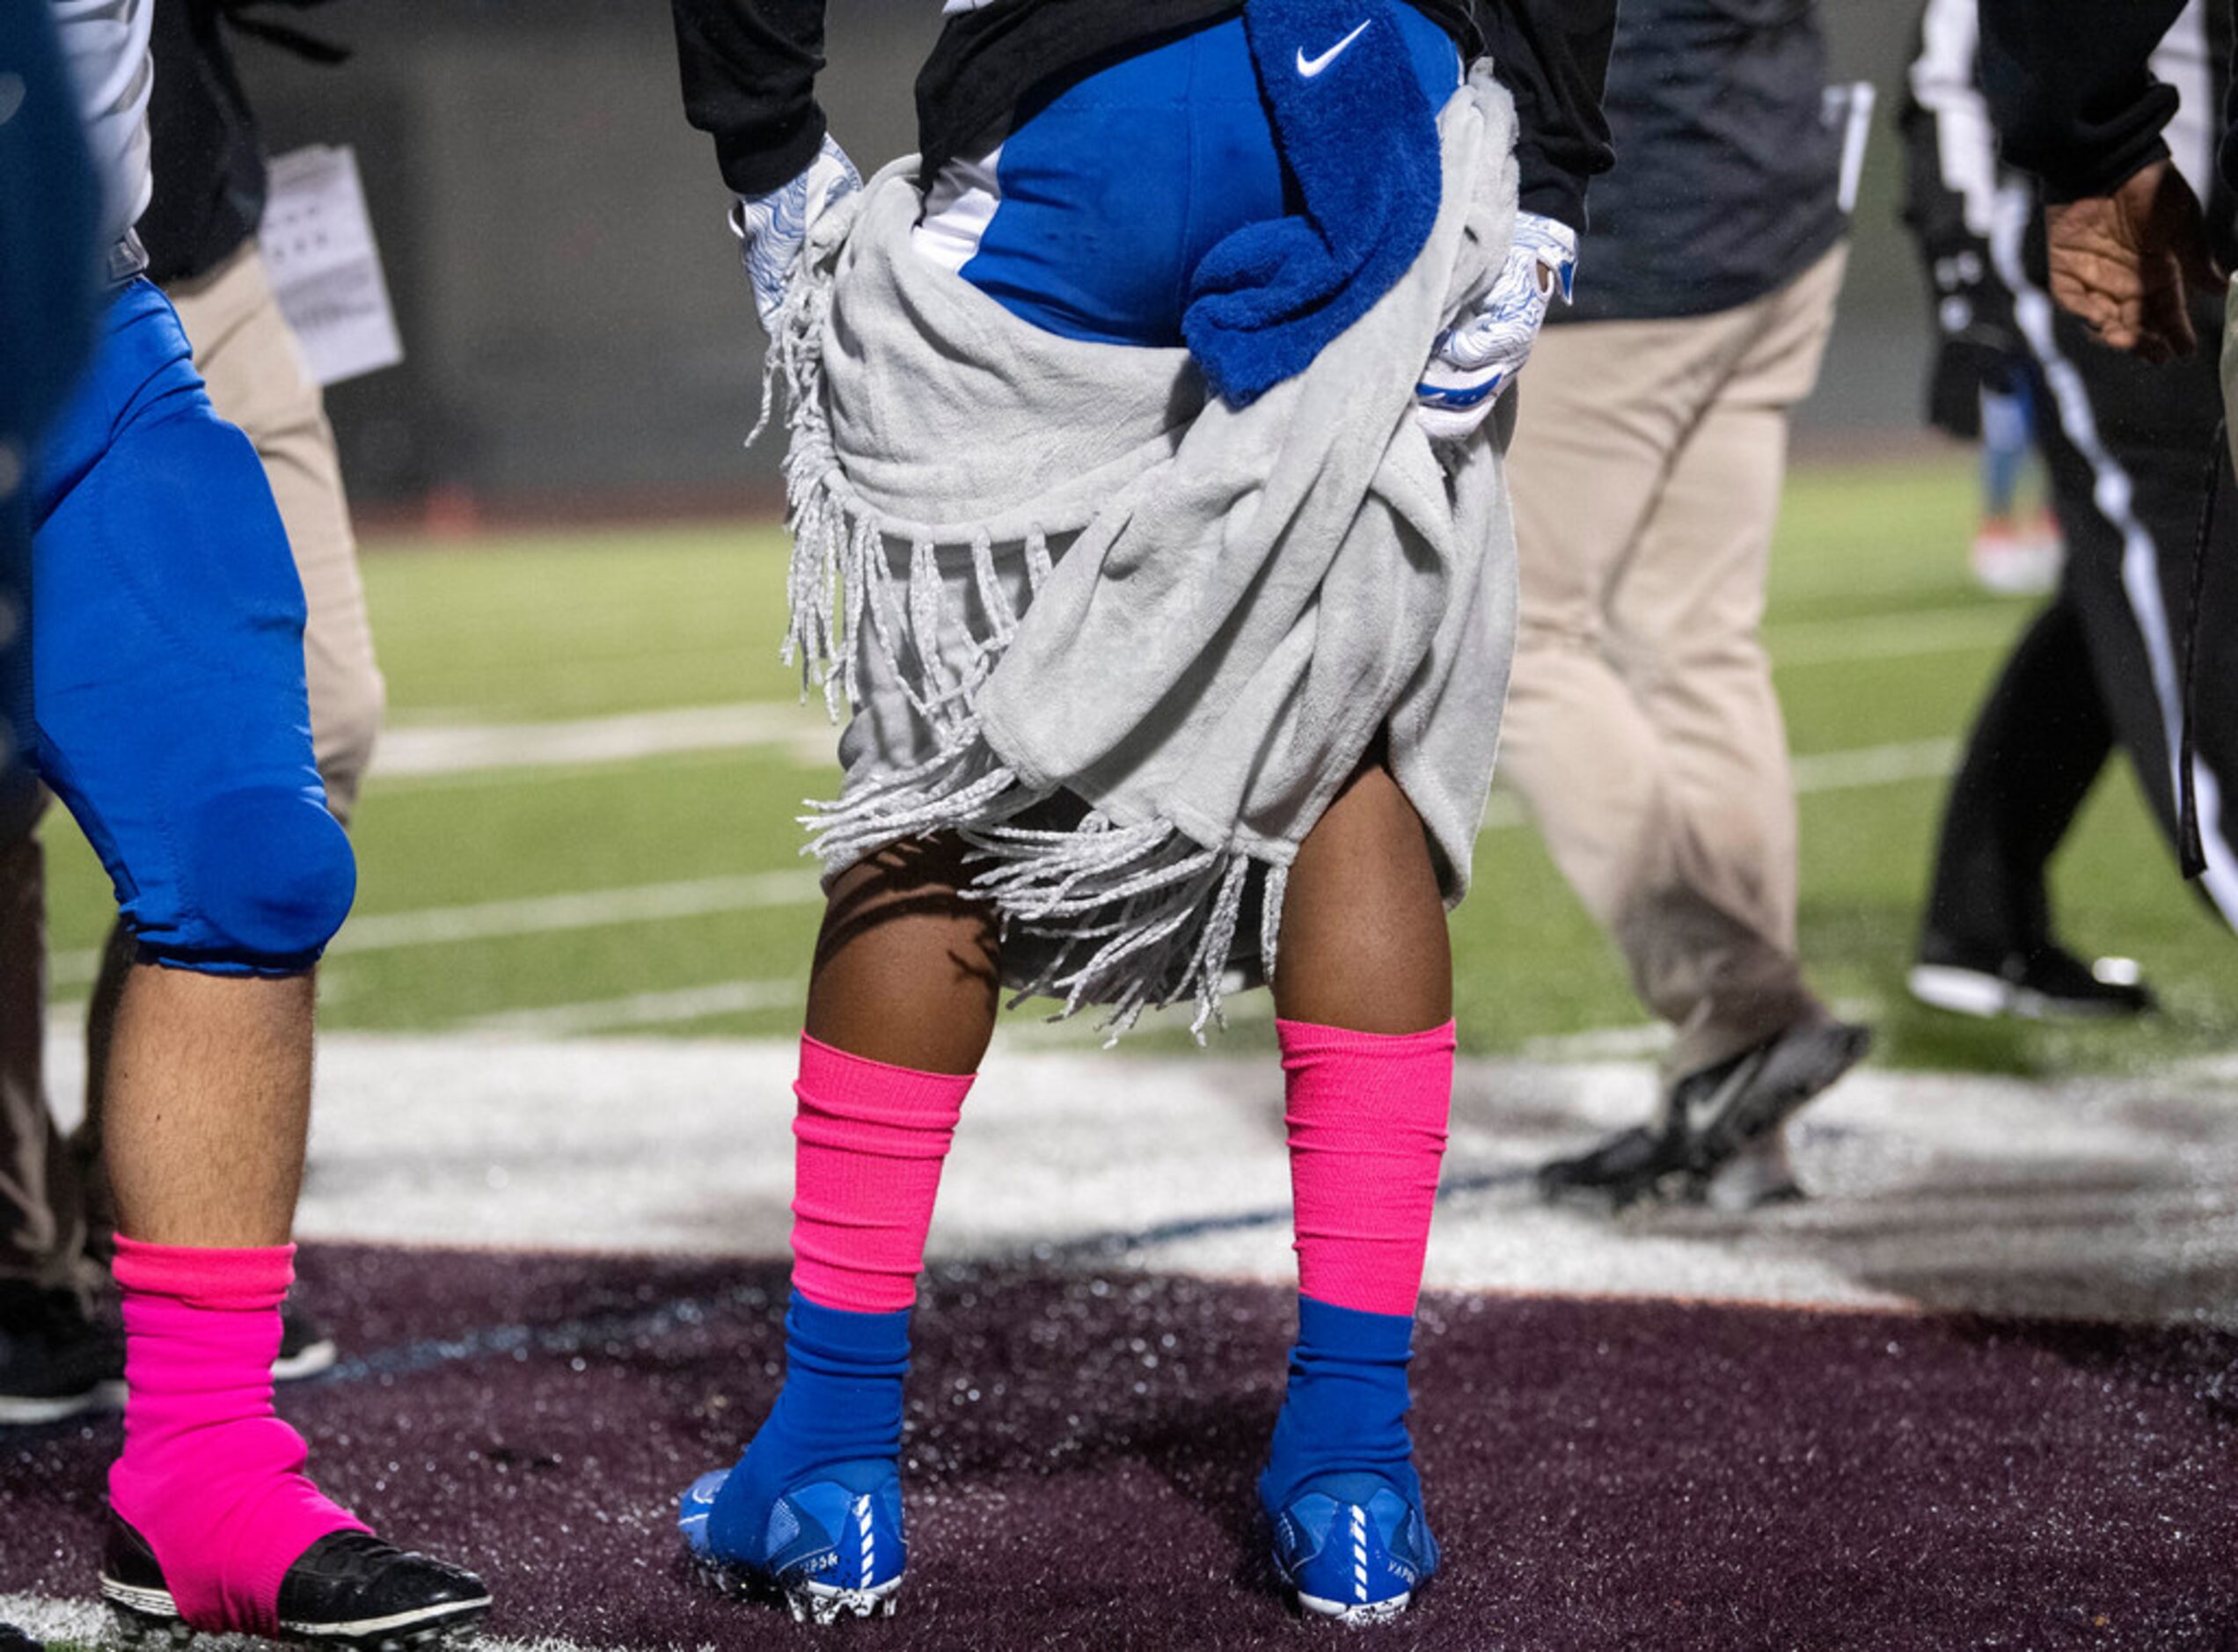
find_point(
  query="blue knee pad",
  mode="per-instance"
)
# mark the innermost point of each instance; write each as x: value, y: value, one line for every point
x: 265, y: 877
x: 168, y: 709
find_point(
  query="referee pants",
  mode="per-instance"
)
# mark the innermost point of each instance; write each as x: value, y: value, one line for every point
x: 2130, y: 448
x: 1642, y: 731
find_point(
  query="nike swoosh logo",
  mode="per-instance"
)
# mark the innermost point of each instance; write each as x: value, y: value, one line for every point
x: 1313, y: 68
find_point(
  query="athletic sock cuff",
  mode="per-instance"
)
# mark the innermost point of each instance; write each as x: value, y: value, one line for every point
x: 1309, y: 1039
x: 861, y: 1341
x: 1353, y: 1334
x: 247, y: 1279
x: 870, y: 1107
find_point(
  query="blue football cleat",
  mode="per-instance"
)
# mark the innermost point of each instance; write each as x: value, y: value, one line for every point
x: 832, y: 1547
x: 1354, y: 1547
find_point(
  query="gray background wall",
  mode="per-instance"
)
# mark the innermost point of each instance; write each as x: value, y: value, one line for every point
x: 579, y: 334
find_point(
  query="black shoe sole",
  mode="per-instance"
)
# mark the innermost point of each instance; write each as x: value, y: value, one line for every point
x: 1560, y: 1183
x: 1986, y: 995
x: 146, y: 1620
x: 1771, y: 1086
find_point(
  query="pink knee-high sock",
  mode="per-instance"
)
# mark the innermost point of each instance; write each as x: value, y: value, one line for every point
x: 1367, y: 1115
x: 870, y: 1141
x: 209, y: 1476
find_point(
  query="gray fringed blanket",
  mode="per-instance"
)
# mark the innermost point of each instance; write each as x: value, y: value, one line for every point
x: 1126, y: 642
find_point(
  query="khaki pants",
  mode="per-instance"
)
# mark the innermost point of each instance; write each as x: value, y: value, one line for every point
x: 49, y: 1189
x: 1642, y: 731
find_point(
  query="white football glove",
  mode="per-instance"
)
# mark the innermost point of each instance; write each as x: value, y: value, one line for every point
x: 771, y: 228
x: 1473, y: 361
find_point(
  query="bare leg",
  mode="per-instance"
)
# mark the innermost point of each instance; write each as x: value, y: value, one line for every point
x: 208, y: 1104
x: 906, y: 969
x: 86, y: 1142
x: 1364, y: 941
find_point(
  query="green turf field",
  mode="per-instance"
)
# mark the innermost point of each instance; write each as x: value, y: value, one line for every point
x: 1883, y: 648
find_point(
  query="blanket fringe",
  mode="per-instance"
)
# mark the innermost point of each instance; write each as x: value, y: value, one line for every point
x: 1132, y: 918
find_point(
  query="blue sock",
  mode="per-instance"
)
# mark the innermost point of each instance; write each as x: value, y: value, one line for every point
x: 837, y: 1417
x: 1347, y: 1409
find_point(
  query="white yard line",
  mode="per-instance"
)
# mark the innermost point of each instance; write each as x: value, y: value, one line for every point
x: 1891, y: 636
x: 645, y: 1009
x: 644, y: 903
x: 1814, y: 774
x: 426, y: 752
x: 538, y: 914
x: 1818, y: 772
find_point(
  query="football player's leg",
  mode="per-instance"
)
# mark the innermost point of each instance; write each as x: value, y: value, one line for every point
x: 254, y: 375
x: 901, y: 1007
x: 1363, y: 987
x: 170, y: 717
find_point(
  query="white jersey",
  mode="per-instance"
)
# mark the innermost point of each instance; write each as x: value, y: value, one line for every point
x: 106, y: 43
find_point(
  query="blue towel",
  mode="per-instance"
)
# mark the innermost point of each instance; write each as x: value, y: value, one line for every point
x: 1359, y: 140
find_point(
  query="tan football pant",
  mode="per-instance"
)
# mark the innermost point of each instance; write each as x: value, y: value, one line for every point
x: 1642, y: 731
x: 256, y: 378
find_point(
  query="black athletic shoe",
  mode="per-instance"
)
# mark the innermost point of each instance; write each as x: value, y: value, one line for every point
x: 306, y: 1346
x: 56, y: 1359
x: 2044, y: 983
x: 1630, y: 1164
x: 14, y: 1640
x: 350, y: 1592
x: 1709, y: 1117
x: 1723, y: 1109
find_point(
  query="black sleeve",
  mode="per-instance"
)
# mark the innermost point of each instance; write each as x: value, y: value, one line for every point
x: 2070, y: 89
x: 750, y: 69
x: 1553, y: 54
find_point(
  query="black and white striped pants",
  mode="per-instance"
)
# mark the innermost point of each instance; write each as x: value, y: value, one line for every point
x: 2128, y: 446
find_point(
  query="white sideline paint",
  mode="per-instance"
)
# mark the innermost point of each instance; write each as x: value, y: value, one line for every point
x: 83, y: 1623
x: 2116, y: 1199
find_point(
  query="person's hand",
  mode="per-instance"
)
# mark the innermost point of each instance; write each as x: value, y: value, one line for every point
x: 1472, y: 363
x: 771, y: 228
x: 2126, y: 263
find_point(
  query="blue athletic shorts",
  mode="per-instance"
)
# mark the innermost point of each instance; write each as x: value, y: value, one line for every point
x: 1109, y: 193
x: 168, y: 710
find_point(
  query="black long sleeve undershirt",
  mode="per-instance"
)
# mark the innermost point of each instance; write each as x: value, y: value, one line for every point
x: 749, y: 69
x: 2070, y: 90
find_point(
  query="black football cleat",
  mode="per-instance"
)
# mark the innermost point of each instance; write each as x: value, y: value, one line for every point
x: 2045, y: 983
x: 307, y: 1349
x: 56, y: 1359
x: 349, y: 1592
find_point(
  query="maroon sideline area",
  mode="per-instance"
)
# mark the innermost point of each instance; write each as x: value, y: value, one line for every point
x: 1602, y: 1474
